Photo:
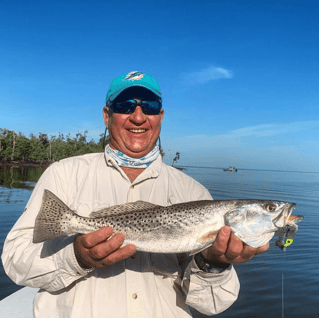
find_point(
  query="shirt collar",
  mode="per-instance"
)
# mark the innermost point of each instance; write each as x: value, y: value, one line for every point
x: 152, y: 171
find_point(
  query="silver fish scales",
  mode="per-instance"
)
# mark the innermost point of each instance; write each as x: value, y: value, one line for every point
x: 184, y: 227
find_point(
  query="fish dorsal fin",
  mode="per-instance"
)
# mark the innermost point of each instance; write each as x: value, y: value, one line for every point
x: 124, y: 208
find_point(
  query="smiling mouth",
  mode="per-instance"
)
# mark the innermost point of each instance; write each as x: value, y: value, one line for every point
x: 137, y: 131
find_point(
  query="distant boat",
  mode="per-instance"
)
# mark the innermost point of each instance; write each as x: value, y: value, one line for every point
x: 230, y: 168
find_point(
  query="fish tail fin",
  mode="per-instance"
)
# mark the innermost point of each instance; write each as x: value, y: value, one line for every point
x: 52, y: 218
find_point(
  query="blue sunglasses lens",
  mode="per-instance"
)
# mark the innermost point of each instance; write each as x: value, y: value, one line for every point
x: 151, y: 107
x: 128, y: 107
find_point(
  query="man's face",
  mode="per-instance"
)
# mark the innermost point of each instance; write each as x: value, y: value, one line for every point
x: 133, y: 134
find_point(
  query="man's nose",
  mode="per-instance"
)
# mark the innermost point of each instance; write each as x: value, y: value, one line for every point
x: 138, y: 116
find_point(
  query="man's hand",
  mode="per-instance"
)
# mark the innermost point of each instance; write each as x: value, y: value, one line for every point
x: 94, y: 250
x: 228, y: 248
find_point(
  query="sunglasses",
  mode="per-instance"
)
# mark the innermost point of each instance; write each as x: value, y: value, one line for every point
x: 128, y: 107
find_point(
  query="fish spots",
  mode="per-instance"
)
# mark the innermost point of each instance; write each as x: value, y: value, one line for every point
x: 211, y: 235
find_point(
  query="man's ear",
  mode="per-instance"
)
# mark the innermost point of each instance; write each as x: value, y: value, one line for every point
x: 162, y: 114
x: 106, y: 116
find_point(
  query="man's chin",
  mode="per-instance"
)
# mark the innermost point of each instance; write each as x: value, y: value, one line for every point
x: 137, y: 152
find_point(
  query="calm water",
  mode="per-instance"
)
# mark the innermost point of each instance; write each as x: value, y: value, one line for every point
x: 274, y: 284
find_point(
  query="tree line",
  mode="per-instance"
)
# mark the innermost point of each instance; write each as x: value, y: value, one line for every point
x: 41, y: 148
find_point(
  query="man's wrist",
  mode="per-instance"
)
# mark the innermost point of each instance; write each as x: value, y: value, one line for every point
x: 216, y: 263
x: 209, y: 266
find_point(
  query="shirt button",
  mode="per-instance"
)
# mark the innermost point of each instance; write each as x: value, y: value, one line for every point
x: 134, y: 296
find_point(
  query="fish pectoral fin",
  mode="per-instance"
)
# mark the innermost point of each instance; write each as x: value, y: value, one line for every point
x: 211, y: 235
x: 123, y: 208
x: 198, y: 250
x: 207, y: 237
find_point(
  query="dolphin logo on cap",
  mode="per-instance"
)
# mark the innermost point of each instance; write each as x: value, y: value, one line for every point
x: 134, y: 76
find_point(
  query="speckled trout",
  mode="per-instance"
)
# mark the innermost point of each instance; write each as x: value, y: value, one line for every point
x: 178, y: 228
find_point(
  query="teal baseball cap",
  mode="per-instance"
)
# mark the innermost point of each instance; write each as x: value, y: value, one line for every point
x: 135, y: 78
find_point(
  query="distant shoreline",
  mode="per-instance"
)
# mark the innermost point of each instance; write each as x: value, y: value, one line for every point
x: 22, y: 163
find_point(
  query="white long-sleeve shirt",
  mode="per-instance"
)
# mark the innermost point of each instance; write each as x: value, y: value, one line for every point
x: 145, y: 285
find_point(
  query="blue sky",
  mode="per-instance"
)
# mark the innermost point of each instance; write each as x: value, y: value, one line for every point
x: 239, y: 78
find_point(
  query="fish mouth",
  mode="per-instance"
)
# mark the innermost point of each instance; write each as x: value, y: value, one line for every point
x: 296, y: 218
x: 284, y: 217
x: 289, y: 231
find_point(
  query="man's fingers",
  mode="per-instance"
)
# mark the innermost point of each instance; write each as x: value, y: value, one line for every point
x: 221, y: 242
x: 262, y: 249
x: 118, y: 255
x: 248, y: 253
x: 235, y: 247
x: 105, y: 252
x: 105, y: 248
x: 94, y: 238
x: 228, y: 248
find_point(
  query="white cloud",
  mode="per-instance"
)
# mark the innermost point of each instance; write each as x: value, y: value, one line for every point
x: 274, y: 129
x: 233, y: 138
x: 208, y: 74
x: 246, y: 147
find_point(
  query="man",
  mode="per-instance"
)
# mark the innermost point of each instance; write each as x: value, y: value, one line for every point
x: 92, y: 275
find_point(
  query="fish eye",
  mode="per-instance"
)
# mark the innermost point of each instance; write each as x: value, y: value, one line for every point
x: 270, y: 207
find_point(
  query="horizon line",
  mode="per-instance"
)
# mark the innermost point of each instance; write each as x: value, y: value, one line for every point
x: 297, y: 171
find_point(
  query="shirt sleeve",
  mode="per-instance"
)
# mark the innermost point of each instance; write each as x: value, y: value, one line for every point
x: 50, y: 265
x: 208, y: 293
